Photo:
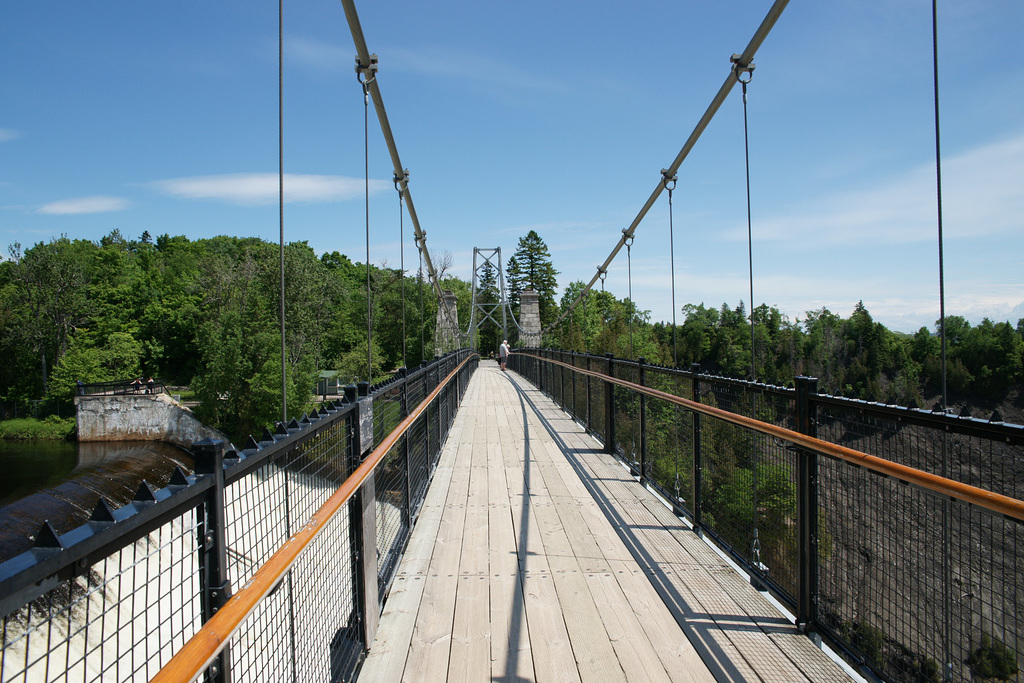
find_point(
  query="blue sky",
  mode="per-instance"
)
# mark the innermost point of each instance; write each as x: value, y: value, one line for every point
x: 553, y: 116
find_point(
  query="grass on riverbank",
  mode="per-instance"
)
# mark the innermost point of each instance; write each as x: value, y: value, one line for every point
x: 51, y: 427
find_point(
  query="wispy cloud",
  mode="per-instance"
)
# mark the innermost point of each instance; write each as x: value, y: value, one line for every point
x: 470, y: 68
x: 8, y: 134
x: 257, y: 189
x: 981, y: 196
x: 317, y: 54
x: 97, y: 204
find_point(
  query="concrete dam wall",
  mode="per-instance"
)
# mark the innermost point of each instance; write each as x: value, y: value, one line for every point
x: 147, y: 417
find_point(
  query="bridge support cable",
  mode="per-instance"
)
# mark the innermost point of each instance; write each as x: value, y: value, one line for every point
x: 738, y: 71
x: 669, y: 181
x: 629, y: 293
x: 284, y: 367
x: 280, y: 195
x: 744, y: 59
x: 399, y: 181
x: 947, y: 568
x: 364, y: 60
x: 366, y: 72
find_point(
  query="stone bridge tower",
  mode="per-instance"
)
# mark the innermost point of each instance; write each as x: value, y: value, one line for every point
x: 446, y: 337
x: 529, y: 317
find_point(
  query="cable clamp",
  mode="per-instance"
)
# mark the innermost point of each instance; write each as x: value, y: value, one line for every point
x: 669, y: 181
x: 401, y: 181
x: 739, y: 69
x: 628, y: 241
x: 366, y: 73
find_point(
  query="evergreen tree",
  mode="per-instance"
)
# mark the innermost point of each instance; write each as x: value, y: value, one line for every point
x: 531, y: 268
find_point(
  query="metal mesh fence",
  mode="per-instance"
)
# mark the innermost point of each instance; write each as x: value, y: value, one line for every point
x: 87, y: 628
x: 115, y: 599
x: 669, y: 438
x: 915, y: 586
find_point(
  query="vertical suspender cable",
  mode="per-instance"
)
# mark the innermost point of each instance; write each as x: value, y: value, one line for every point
x: 755, y: 546
x: 284, y: 374
x: 366, y: 166
x: 629, y: 286
x: 423, y: 342
x: 669, y: 181
x: 947, y: 566
x: 401, y: 247
x: 280, y: 193
x: 750, y: 234
x: 938, y: 198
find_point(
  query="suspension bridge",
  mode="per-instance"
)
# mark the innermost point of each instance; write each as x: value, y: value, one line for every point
x: 578, y: 517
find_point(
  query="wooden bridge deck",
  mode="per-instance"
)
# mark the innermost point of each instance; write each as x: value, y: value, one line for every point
x: 538, y: 558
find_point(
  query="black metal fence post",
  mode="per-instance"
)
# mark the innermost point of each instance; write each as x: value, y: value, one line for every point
x: 561, y: 381
x: 641, y: 362
x: 609, y: 406
x: 590, y: 425
x: 807, y: 508
x: 698, y: 499
x: 363, y: 526
x: 572, y: 386
x: 214, y: 584
x: 403, y: 398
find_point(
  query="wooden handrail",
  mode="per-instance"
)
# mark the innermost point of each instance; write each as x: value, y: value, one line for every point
x: 199, y: 652
x: 996, y: 502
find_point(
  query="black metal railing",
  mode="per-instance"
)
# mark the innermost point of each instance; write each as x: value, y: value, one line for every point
x: 116, y: 598
x: 122, y: 387
x: 912, y: 584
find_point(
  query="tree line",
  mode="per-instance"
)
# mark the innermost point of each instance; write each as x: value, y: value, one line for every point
x: 205, y: 314
x: 855, y: 357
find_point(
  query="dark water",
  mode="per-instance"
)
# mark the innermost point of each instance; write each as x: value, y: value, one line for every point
x: 61, y: 482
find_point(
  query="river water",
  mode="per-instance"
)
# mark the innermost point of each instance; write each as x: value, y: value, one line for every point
x: 61, y: 482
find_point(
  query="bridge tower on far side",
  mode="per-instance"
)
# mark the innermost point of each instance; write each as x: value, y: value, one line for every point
x: 489, y: 296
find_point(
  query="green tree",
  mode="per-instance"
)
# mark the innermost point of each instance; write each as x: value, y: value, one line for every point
x: 531, y: 268
x: 52, y: 279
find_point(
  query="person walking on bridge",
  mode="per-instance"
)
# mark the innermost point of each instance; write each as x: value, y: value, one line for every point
x: 503, y: 352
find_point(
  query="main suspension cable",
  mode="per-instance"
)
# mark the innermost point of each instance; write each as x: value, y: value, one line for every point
x: 745, y: 58
x: 365, y: 60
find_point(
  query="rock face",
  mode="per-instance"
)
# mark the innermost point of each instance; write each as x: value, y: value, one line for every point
x: 145, y: 417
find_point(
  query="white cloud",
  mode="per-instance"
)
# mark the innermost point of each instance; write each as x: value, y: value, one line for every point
x: 441, y: 62
x: 981, y: 196
x: 97, y: 204
x: 7, y: 134
x: 318, y: 54
x: 257, y: 189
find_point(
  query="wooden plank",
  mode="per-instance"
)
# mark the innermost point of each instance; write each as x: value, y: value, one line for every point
x: 677, y: 654
x: 387, y: 656
x: 469, y: 658
x: 511, y: 656
x: 431, y: 642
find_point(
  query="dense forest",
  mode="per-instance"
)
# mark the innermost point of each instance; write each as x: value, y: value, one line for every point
x: 854, y: 357
x: 205, y: 314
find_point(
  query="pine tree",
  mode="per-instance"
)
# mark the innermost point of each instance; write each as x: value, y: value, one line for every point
x: 530, y: 268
